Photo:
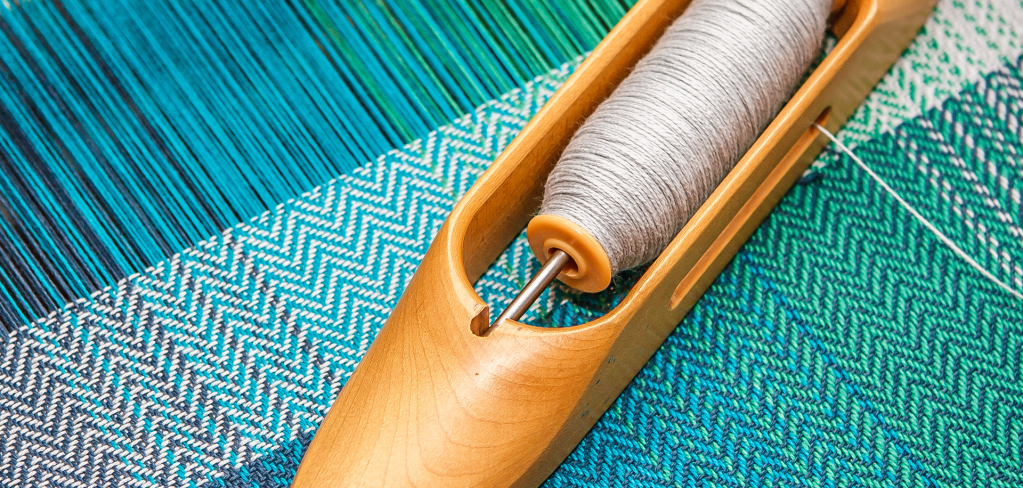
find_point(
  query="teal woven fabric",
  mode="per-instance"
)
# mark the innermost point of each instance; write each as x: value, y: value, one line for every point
x: 844, y: 345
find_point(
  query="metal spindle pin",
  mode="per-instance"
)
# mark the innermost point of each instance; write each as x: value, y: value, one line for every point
x: 535, y: 287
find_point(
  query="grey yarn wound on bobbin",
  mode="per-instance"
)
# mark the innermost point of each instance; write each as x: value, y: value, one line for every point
x: 644, y: 162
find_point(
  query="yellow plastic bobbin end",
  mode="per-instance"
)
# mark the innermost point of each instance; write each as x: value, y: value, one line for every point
x: 590, y: 270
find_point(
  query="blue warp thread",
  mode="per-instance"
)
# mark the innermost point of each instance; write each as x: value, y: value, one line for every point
x: 130, y: 130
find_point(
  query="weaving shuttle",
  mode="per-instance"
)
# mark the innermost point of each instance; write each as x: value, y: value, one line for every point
x: 442, y: 400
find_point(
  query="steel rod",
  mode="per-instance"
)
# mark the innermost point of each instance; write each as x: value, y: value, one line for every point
x: 541, y: 280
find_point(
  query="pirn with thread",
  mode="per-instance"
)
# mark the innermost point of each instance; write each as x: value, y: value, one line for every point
x: 653, y: 152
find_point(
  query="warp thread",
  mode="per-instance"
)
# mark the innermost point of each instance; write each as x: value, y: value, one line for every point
x: 130, y: 130
x: 648, y: 157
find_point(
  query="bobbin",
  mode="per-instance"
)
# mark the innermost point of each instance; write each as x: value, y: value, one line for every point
x: 436, y: 402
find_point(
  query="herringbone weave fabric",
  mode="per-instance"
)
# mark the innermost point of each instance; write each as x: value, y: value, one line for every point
x: 844, y: 345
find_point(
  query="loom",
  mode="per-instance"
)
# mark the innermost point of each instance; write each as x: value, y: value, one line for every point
x: 441, y: 399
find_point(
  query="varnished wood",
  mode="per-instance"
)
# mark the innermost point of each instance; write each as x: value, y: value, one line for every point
x: 434, y: 404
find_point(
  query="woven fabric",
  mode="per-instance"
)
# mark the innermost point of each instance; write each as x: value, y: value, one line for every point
x: 844, y: 346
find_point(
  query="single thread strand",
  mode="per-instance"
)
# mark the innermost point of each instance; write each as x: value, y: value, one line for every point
x: 927, y: 223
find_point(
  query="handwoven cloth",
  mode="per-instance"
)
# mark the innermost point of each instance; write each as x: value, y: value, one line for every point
x: 844, y: 345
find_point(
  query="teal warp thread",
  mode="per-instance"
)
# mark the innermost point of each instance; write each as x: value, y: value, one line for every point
x: 130, y: 130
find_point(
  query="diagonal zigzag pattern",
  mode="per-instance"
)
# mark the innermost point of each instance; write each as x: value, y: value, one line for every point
x: 218, y: 355
x: 969, y: 155
x: 960, y: 44
x: 844, y: 347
